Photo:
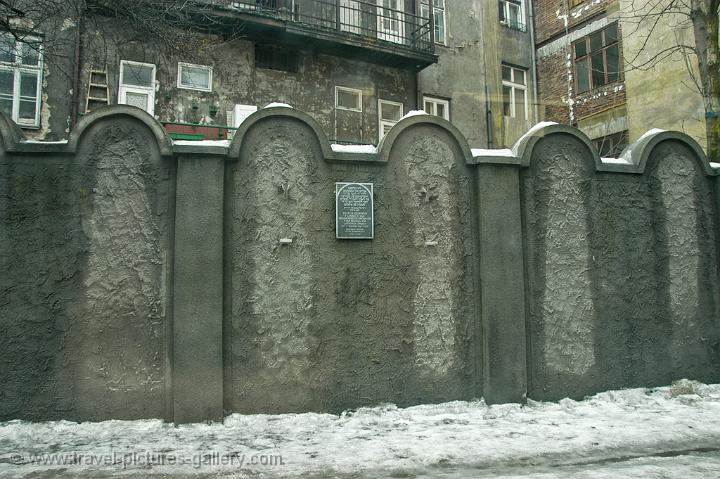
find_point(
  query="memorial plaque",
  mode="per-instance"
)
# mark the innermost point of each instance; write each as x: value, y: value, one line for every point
x: 354, y: 217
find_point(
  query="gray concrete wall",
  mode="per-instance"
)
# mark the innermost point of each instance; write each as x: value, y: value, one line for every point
x: 622, y: 269
x: 146, y: 279
x: 84, y: 247
x: 326, y: 324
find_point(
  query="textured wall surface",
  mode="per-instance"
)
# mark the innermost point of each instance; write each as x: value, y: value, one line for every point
x: 622, y: 271
x: 145, y: 279
x: 83, y: 247
x: 324, y: 324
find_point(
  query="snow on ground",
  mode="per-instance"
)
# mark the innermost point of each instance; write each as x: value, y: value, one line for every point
x: 665, y: 432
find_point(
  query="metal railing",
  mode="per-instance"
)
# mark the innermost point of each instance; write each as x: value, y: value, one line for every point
x: 362, y: 18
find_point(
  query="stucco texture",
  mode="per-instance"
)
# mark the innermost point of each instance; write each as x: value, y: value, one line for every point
x: 83, y: 248
x: 326, y: 324
x: 622, y: 271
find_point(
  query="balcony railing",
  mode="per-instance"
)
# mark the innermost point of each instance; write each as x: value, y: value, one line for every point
x: 352, y: 18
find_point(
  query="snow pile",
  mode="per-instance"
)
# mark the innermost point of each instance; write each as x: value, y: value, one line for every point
x: 225, y: 143
x: 43, y: 142
x: 616, y: 161
x: 353, y: 148
x: 414, y: 113
x: 486, y: 152
x: 456, y: 439
x: 274, y: 104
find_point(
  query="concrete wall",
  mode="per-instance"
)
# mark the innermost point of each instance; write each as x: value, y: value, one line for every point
x: 146, y: 279
x: 622, y: 268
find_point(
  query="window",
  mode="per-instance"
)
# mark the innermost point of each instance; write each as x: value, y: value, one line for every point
x: 194, y: 77
x: 276, y: 58
x: 514, y: 85
x: 437, y: 107
x: 350, y: 16
x: 389, y: 113
x: 390, y: 21
x: 21, y: 80
x: 348, y: 99
x: 597, y: 59
x: 439, y: 13
x: 137, y: 85
x: 511, y: 14
x: 611, y: 146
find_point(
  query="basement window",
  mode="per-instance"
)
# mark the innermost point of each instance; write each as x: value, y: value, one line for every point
x: 21, y: 80
x: 194, y: 77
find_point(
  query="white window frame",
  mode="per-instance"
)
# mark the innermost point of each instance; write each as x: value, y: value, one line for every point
x: 395, y: 15
x: 17, y: 68
x: 434, y: 101
x: 438, y: 7
x: 190, y: 87
x: 348, y: 90
x: 506, y: 13
x: 513, y: 88
x: 384, y: 123
x: 123, y: 89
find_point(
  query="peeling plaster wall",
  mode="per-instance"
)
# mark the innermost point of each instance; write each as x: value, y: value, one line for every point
x: 237, y: 80
x: 622, y: 272
x: 326, y: 324
x: 84, y: 247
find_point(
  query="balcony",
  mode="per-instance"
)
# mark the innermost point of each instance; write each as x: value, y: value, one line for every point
x: 359, y: 29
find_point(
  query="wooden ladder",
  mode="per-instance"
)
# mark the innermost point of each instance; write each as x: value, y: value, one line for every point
x: 98, y: 93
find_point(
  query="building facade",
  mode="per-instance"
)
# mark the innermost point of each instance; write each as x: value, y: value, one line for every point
x: 603, y: 67
x: 357, y: 66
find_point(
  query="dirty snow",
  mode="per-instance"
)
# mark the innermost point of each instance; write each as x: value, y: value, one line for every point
x: 665, y: 432
x: 353, y: 148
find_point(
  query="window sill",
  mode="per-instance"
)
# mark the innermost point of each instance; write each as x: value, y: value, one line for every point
x: 521, y: 27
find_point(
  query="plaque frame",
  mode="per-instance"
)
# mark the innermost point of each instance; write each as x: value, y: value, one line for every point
x: 369, y: 187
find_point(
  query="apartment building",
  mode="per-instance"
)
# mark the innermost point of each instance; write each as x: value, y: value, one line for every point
x: 356, y: 66
x: 602, y: 67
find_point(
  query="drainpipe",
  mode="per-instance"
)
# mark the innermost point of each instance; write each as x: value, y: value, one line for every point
x: 488, y: 116
x: 531, y: 12
x: 75, y: 105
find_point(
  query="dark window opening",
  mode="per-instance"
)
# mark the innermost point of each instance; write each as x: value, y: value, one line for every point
x: 597, y: 59
x: 276, y: 58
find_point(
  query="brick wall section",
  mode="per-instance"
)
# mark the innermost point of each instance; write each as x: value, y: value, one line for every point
x: 599, y: 99
x: 552, y: 87
x: 550, y: 16
x: 553, y: 70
